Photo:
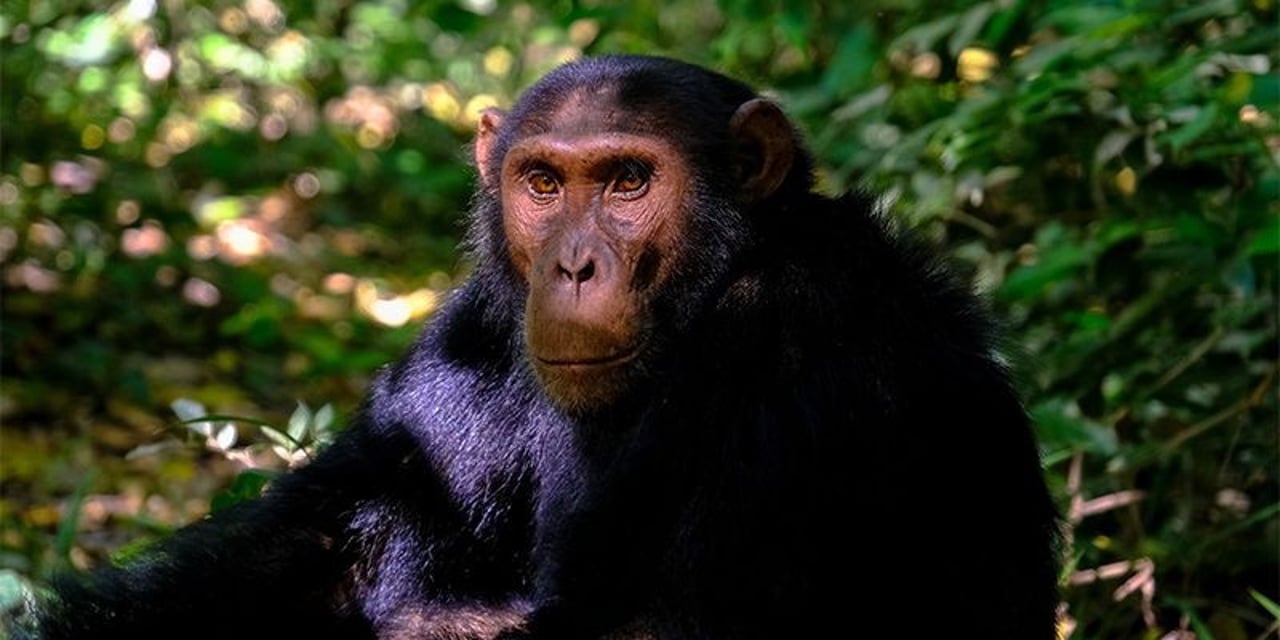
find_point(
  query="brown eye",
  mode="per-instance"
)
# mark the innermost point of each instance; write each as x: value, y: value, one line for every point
x: 543, y: 184
x: 632, y: 179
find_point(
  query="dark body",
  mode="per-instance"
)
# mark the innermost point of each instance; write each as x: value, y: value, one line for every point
x: 812, y: 439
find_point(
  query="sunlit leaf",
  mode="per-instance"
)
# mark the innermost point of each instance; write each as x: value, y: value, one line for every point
x: 299, y: 422
x: 216, y: 210
x: 316, y: 142
x: 280, y: 439
x: 226, y: 437
x: 14, y: 589
x: 91, y: 42
x: 324, y: 418
x: 1267, y: 603
x: 153, y: 449
x: 247, y: 485
x: 187, y: 409
x: 1113, y: 144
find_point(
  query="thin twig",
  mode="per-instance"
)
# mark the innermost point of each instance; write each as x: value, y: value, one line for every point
x: 1240, y: 406
x: 1196, y: 354
x: 1110, y: 501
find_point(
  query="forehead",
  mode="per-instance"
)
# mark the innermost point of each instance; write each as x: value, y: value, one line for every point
x: 588, y: 110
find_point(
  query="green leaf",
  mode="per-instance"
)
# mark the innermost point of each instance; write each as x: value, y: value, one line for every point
x: 1267, y: 603
x: 246, y: 486
x: 280, y: 438
x: 1059, y: 264
x: 1203, y: 10
x: 1117, y: 230
x: 1201, y: 124
x: 970, y: 24
x: 1267, y: 241
x: 451, y: 17
x: 1083, y: 17
x: 1041, y: 57
x: 1059, y: 420
x: 1196, y: 229
x: 1112, y: 145
x: 92, y: 41
x: 923, y: 37
x: 999, y: 26
x: 221, y: 417
x: 851, y: 66
x: 218, y: 210
x: 1265, y: 89
x: 795, y: 24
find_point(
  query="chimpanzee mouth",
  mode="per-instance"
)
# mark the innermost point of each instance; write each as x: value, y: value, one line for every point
x: 612, y: 359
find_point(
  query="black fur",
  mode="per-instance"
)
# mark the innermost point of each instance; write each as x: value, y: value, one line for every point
x: 824, y: 445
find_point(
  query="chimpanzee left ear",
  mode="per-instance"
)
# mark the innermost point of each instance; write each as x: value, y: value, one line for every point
x: 765, y: 147
x: 486, y: 135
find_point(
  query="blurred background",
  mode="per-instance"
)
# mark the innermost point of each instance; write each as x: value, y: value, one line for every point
x: 243, y: 208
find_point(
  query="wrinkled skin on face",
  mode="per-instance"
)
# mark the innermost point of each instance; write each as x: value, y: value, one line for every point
x: 594, y: 213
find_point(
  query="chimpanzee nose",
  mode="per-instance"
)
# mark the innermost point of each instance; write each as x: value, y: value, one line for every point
x: 578, y: 266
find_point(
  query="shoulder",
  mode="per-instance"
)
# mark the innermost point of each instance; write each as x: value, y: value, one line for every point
x: 844, y: 265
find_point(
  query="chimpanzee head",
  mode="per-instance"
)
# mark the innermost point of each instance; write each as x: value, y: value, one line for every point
x: 618, y: 192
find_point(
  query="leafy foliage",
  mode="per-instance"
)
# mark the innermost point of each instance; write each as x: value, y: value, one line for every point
x: 243, y: 203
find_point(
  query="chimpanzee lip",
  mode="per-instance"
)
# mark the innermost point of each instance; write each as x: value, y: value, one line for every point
x: 617, y: 357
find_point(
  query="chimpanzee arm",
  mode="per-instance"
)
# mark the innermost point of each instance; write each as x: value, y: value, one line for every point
x: 282, y: 562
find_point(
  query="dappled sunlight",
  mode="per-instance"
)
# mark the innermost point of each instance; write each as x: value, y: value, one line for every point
x: 254, y: 202
x: 156, y: 64
x: 393, y: 310
x: 371, y: 115
x: 201, y: 293
x: 31, y: 275
x: 121, y: 130
x: 147, y: 240
x: 440, y: 101
x: 243, y: 241
x: 339, y: 283
x: 976, y: 64
x: 77, y: 177
x: 179, y: 133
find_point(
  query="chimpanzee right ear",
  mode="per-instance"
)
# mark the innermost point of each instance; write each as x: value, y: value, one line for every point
x: 486, y: 137
x: 765, y: 147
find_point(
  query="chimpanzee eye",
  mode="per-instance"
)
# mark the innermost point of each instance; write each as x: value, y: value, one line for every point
x: 542, y: 184
x: 632, y: 179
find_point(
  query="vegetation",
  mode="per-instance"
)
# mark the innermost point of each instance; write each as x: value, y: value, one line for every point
x: 241, y: 205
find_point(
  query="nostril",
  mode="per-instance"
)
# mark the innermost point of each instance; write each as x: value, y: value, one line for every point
x: 579, y: 274
x: 586, y: 272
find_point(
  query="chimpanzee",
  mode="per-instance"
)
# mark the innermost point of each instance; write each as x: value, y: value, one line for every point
x: 680, y: 396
